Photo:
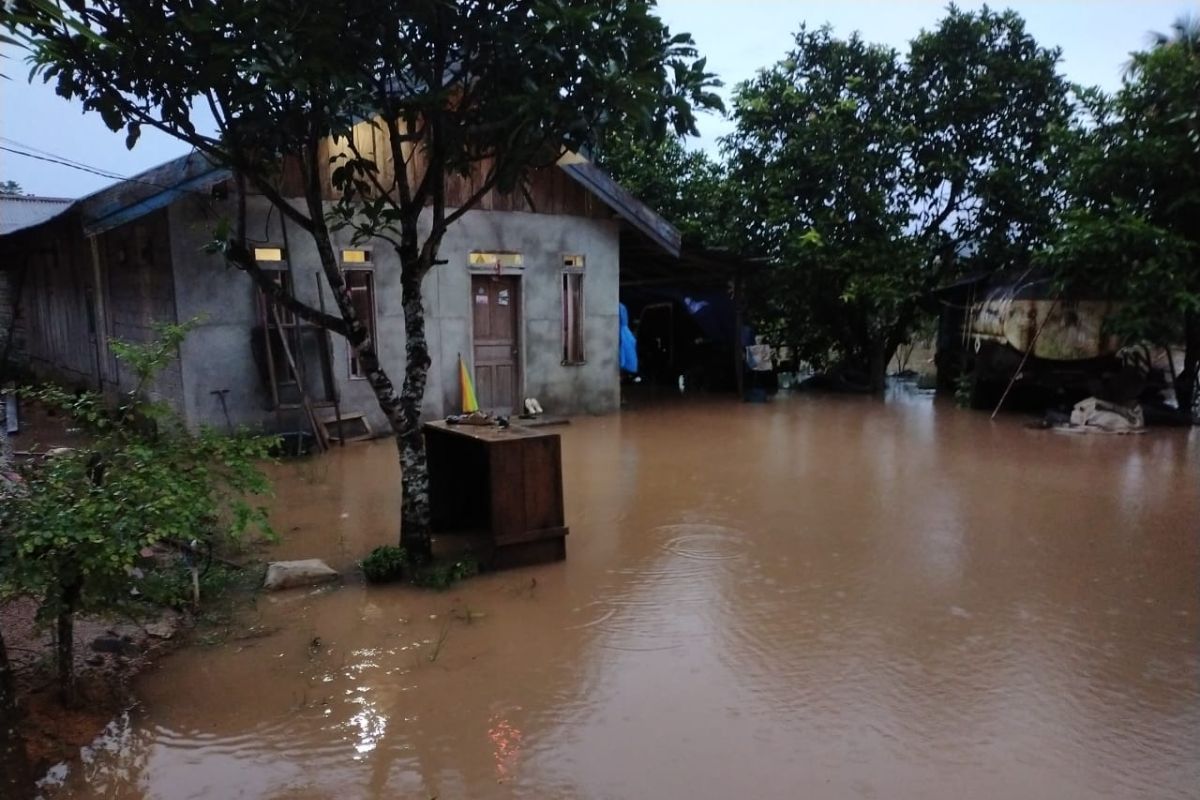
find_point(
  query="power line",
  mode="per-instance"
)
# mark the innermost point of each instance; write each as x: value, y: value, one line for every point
x: 33, y: 149
x: 60, y: 162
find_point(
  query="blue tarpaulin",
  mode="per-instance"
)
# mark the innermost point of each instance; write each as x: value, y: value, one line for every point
x: 628, y: 347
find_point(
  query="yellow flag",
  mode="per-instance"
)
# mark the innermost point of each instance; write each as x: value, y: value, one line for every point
x: 469, y: 403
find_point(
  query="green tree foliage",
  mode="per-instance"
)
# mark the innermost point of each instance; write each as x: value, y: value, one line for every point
x: 870, y: 179
x: 74, y: 530
x: 688, y: 187
x: 489, y: 89
x: 11, y: 189
x: 1132, y: 232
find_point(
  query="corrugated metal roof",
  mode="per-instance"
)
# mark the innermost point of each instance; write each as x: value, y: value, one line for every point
x: 18, y: 212
x: 148, y: 191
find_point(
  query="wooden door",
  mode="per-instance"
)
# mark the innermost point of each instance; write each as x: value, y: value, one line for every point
x: 496, y: 305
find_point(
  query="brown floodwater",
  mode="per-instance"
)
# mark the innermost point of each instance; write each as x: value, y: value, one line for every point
x: 818, y: 597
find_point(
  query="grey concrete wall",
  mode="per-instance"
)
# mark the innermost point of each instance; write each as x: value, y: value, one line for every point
x: 542, y: 240
x: 218, y: 353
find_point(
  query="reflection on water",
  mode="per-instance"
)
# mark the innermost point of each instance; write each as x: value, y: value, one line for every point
x: 817, y: 597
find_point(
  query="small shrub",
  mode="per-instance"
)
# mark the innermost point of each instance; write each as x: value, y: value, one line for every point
x: 385, y: 564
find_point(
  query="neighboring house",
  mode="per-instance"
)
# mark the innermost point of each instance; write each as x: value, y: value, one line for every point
x: 528, y: 296
x: 1015, y: 331
x: 18, y: 212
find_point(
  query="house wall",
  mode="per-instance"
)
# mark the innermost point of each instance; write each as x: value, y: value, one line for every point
x: 13, y: 348
x: 54, y: 303
x: 218, y: 354
x: 74, y: 300
x: 139, y: 294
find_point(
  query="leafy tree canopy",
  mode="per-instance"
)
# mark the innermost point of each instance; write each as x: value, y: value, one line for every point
x: 871, y: 178
x: 1132, y: 230
x: 688, y: 187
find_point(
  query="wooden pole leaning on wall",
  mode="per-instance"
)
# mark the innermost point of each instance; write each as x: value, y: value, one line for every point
x: 317, y: 429
x: 1024, y: 358
x: 327, y: 366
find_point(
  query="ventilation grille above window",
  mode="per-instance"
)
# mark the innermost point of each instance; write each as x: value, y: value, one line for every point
x: 268, y: 254
x: 482, y: 259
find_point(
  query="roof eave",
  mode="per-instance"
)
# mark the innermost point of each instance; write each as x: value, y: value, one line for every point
x: 626, y: 206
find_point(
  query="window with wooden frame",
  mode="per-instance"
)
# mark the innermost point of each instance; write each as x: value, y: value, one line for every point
x: 572, y: 309
x: 360, y: 281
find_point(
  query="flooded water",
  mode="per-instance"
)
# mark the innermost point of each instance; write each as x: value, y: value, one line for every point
x: 815, y: 597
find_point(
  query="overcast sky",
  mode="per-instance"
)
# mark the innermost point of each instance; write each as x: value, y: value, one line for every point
x: 738, y: 36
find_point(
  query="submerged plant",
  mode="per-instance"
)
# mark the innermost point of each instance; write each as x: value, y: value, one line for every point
x: 388, y: 564
x: 385, y: 564
x: 964, y: 389
x: 444, y: 574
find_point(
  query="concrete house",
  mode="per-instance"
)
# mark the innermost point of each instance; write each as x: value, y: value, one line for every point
x: 528, y: 297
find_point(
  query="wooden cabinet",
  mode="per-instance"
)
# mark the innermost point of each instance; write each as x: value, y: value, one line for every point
x: 500, y: 486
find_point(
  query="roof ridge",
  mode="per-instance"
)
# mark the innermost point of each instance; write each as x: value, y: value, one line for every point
x: 33, y: 198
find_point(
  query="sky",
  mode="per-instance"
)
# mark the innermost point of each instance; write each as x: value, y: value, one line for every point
x: 737, y: 36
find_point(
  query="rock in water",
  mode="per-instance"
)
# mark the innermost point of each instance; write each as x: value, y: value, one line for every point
x: 290, y: 574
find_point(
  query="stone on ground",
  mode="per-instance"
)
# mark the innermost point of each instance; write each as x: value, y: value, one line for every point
x: 291, y: 574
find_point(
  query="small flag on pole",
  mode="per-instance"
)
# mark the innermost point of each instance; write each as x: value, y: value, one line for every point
x: 469, y: 403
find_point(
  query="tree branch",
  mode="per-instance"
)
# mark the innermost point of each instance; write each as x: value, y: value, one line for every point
x: 484, y: 188
x: 399, y: 163
x: 951, y: 204
x: 243, y: 258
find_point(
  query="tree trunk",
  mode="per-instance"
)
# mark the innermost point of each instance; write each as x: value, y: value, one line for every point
x: 415, y: 520
x: 64, y: 644
x: 16, y: 778
x: 1186, y: 381
x: 403, y: 411
x: 877, y: 363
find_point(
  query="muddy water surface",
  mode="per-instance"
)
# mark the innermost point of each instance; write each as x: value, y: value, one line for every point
x: 818, y: 597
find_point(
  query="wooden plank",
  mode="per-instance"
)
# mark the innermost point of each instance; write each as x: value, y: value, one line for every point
x: 542, y: 467
x: 347, y: 428
x: 507, y: 481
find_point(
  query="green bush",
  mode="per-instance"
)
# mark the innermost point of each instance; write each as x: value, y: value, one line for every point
x: 74, y: 532
x: 385, y: 564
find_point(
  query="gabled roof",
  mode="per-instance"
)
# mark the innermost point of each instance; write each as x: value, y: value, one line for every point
x: 148, y: 191
x: 18, y: 212
x: 120, y: 203
x: 159, y: 187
